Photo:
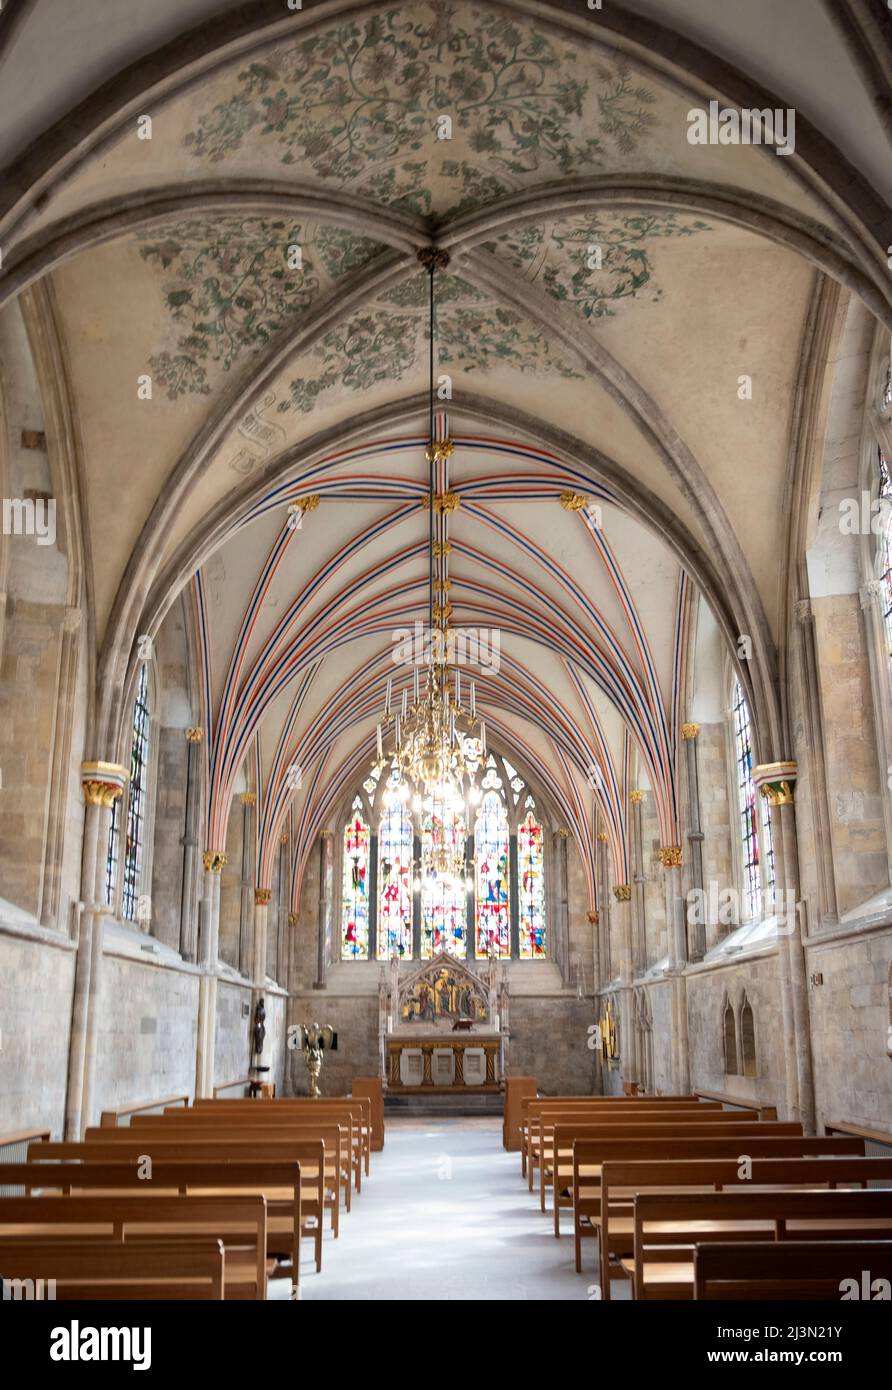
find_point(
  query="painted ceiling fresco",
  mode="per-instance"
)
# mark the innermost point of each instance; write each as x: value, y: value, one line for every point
x: 228, y: 288
x: 358, y: 105
x: 592, y: 262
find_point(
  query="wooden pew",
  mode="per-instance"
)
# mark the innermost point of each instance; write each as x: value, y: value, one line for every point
x: 171, y: 1269
x: 358, y: 1109
x: 237, y: 1220
x: 537, y: 1112
x: 611, y: 1192
x: 293, y: 1189
x: 350, y: 1115
x: 589, y: 1155
x: 790, y: 1269
x: 517, y: 1088
x: 555, y: 1161
x: 334, y: 1136
x: 371, y: 1088
x: 668, y: 1225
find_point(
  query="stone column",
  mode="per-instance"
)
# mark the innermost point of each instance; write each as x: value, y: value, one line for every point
x: 213, y: 861
x: 559, y: 859
x: 325, y: 848
x: 670, y: 858
x: 622, y: 892
x: 262, y: 898
x: 102, y: 784
x: 248, y: 801
x: 697, y: 936
x: 191, y: 835
x: 776, y: 782
x: 639, y: 910
x: 594, y: 919
x: 604, y: 925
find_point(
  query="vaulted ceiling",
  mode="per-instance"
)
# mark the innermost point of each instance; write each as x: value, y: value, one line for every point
x: 623, y: 319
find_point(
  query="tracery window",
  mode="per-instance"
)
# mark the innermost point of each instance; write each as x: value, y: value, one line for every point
x: 444, y: 900
x: 355, y: 938
x: 491, y: 845
x: 746, y: 802
x: 136, y: 803
x: 885, y: 551
x: 395, y: 903
x: 531, y: 887
x: 394, y: 936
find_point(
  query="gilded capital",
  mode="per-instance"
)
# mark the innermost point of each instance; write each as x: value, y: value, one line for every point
x: 636, y: 797
x: 213, y: 860
x: 293, y: 919
x: 573, y: 501
x: 102, y: 783
x: 564, y: 834
x: 670, y: 856
x: 690, y: 730
x: 306, y: 504
x: 283, y: 838
x: 262, y: 896
x: 776, y: 782
x: 594, y: 918
x: 602, y: 836
x: 623, y: 892
x: 248, y: 798
x: 194, y: 735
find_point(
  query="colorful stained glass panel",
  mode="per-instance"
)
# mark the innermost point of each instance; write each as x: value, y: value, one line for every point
x: 531, y: 888
x: 394, y: 935
x: 491, y: 847
x: 355, y: 933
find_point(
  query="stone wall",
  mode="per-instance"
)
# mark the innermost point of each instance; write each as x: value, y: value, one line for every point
x: 36, y: 984
x: 146, y: 1038
x: 855, y: 787
x: 549, y: 1040
x: 850, y: 1021
x: 714, y: 779
x: 354, y: 1017
x: 707, y: 990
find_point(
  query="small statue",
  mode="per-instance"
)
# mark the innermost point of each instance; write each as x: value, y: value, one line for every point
x: 315, y: 1041
x: 259, y: 1027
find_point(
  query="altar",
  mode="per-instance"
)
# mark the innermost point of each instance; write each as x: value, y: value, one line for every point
x: 443, y: 1027
x: 438, y: 1063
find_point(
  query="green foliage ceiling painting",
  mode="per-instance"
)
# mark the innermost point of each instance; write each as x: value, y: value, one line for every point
x: 358, y: 105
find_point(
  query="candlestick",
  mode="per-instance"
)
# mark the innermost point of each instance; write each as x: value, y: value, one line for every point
x: 415, y: 686
x: 380, y: 745
x: 483, y: 738
x: 387, y: 696
x: 405, y: 703
x: 473, y: 700
x: 458, y: 687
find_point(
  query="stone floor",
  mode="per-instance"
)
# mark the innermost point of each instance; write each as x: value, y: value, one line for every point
x: 446, y: 1215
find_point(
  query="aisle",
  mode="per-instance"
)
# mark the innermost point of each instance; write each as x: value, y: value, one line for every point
x: 445, y: 1215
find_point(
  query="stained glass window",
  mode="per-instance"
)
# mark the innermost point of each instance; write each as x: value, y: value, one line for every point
x: 394, y: 936
x: 746, y: 800
x: 355, y: 934
x: 491, y: 849
x: 531, y: 888
x: 136, y: 800
x: 444, y: 903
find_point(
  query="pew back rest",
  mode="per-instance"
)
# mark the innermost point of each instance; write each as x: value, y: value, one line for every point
x: 168, y: 1269
x: 822, y: 1270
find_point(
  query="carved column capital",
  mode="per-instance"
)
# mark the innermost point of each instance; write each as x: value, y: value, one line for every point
x: 689, y: 731
x: 213, y: 860
x: 194, y: 735
x: 102, y: 783
x: 262, y: 896
x: 670, y: 856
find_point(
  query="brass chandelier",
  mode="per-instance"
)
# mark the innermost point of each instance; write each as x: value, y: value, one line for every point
x: 434, y: 744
